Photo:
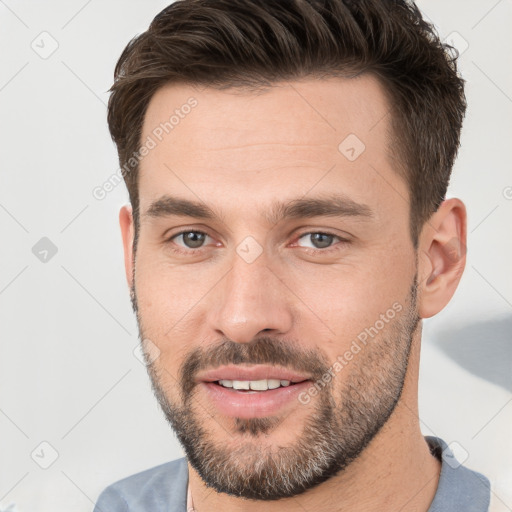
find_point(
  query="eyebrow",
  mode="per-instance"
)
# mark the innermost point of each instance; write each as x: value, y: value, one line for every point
x: 330, y: 206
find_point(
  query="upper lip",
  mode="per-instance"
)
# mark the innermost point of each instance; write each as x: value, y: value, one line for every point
x: 257, y: 372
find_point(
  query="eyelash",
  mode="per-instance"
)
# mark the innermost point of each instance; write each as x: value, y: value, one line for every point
x: 180, y: 250
x: 328, y: 250
x: 310, y: 250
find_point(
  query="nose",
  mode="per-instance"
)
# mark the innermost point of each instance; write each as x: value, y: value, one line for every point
x: 249, y: 300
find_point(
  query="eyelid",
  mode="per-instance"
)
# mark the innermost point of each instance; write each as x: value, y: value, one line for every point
x: 334, y: 247
x: 183, y: 232
x: 314, y: 231
x: 180, y: 230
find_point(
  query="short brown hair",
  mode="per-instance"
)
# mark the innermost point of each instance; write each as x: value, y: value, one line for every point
x: 255, y: 43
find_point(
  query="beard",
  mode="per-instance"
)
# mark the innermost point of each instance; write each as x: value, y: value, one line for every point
x: 341, y: 423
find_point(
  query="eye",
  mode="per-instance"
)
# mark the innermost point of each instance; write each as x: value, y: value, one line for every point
x: 317, y: 240
x: 190, y: 239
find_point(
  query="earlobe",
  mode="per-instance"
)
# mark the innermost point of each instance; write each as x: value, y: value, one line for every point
x: 127, y: 232
x: 442, y: 256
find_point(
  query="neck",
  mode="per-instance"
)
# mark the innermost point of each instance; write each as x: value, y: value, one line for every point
x: 395, y: 471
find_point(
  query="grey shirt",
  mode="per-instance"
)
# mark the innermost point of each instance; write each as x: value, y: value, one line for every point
x: 164, y: 488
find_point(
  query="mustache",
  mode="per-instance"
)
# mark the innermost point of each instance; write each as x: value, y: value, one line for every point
x: 263, y: 350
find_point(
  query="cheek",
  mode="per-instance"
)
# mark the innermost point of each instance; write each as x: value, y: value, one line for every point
x: 169, y: 301
x: 167, y: 293
x: 342, y: 301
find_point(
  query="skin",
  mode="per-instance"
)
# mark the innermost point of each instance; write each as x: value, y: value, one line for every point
x: 238, y: 153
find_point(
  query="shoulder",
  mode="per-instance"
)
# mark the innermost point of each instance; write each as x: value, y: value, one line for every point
x: 459, y: 488
x: 162, y: 488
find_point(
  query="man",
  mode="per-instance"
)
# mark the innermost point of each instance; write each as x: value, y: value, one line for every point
x: 287, y: 165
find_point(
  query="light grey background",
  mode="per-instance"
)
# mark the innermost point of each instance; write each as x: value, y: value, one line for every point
x: 68, y: 374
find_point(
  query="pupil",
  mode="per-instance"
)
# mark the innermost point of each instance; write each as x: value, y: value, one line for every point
x: 321, y: 240
x: 193, y: 239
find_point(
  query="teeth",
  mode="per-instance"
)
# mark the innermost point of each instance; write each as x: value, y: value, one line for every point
x: 241, y: 384
x: 258, y: 385
x: 255, y: 385
x: 273, y: 383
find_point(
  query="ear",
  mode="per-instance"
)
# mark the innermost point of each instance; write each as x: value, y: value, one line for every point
x: 127, y: 232
x: 442, y: 256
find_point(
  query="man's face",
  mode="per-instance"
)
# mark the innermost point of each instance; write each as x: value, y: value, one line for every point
x: 294, y: 263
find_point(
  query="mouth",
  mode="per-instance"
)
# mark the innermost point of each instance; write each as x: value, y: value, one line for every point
x: 252, y: 392
x: 255, y: 386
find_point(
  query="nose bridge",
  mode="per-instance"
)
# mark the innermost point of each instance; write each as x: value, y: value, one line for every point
x: 249, y: 299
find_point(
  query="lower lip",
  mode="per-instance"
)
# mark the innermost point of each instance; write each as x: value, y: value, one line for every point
x: 243, y: 404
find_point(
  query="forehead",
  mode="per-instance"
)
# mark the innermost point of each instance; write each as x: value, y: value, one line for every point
x: 282, y: 141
